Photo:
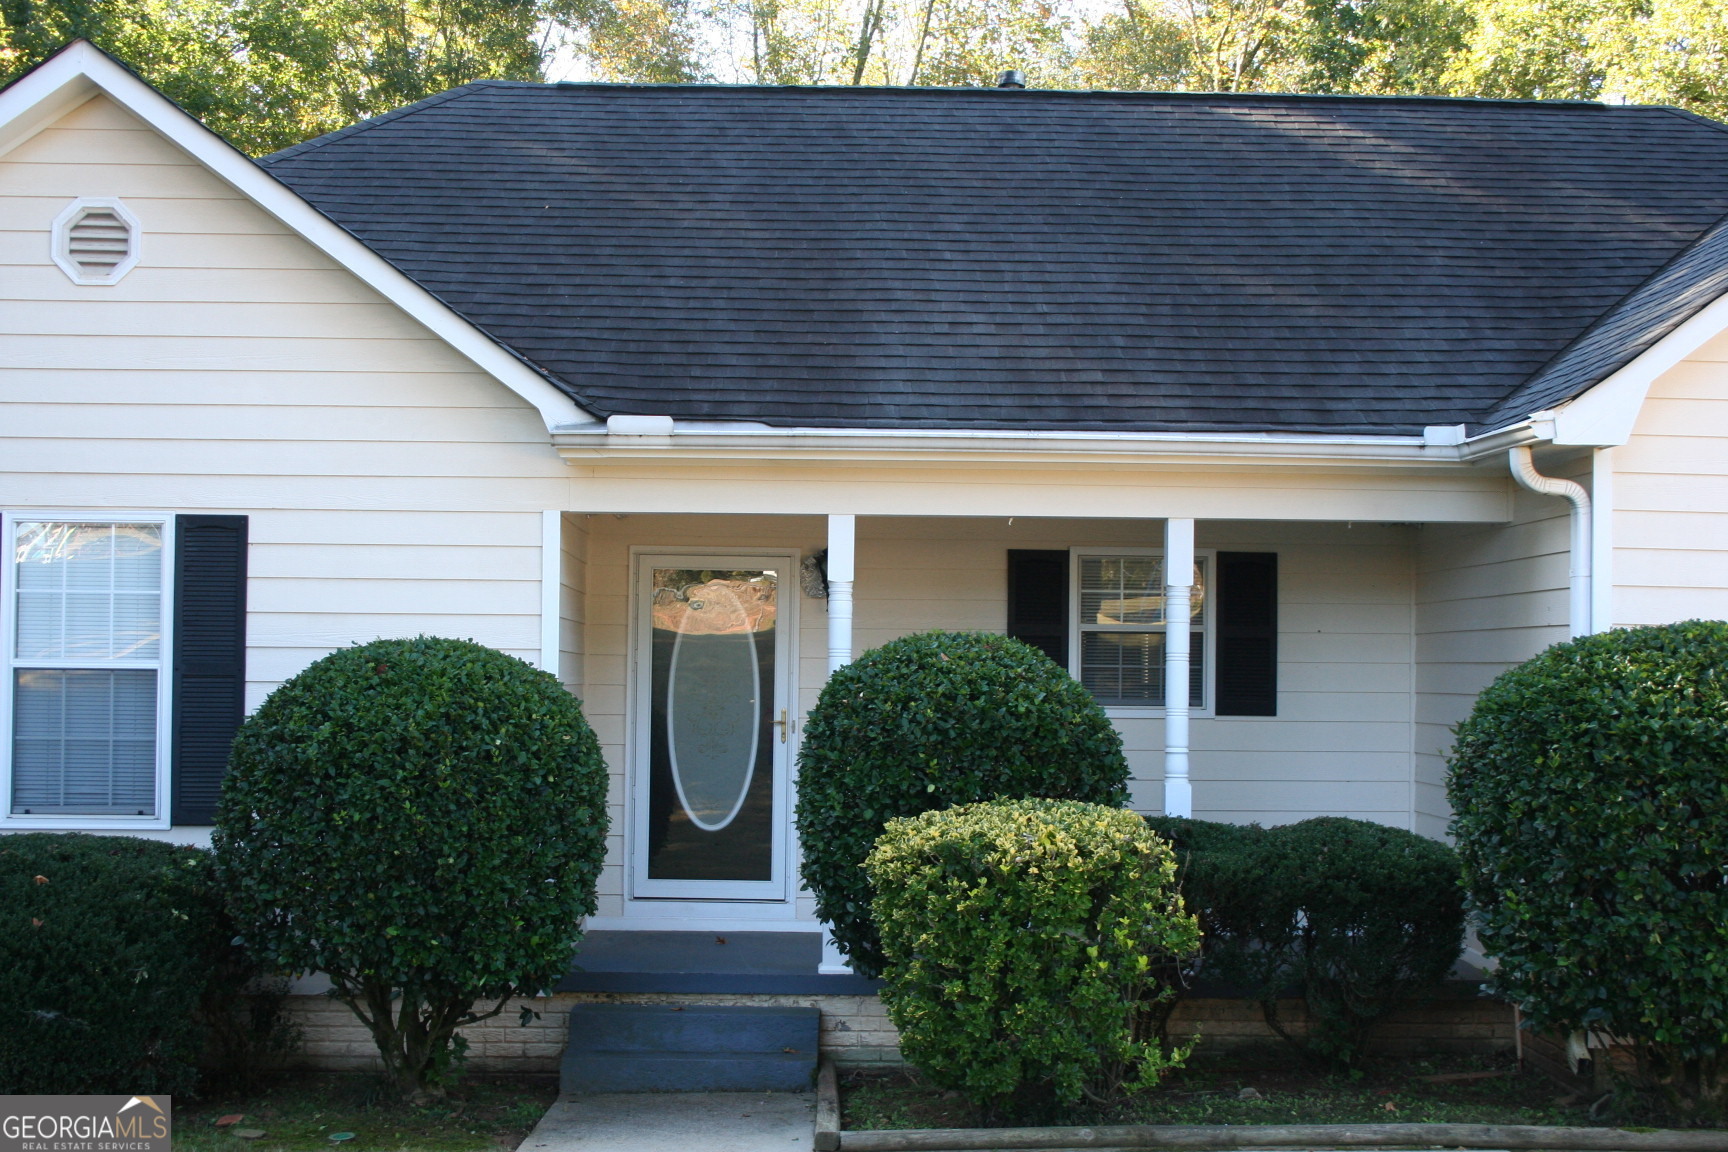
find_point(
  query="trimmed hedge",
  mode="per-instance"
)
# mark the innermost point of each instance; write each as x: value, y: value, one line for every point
x: 108, y: 945
x: 1591, y: 791
x: 424, y: 820
x: 1355, y: 915
x: 1020, y: 938
x: 927, y: 721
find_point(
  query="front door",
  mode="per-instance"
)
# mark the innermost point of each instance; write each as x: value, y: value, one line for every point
x: 712, y: 658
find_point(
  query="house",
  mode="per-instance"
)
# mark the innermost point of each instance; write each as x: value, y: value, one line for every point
x: 1284, y: 422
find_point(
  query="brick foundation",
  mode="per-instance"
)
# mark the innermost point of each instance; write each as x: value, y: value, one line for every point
x: 1455, y: 1022
x: 855, y: 1030
x: 857, y: 1033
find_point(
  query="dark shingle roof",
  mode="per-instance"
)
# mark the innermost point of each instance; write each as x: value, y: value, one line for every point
x: 838, y: 257
x: 1694, y: 278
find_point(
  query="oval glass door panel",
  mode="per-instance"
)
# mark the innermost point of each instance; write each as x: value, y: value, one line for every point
x: 711, y: 766
x: 712, y: 706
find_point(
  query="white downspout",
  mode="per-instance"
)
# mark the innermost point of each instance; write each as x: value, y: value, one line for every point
x: 1581, y: 521
x: 1178, y: 611
x: 842, y: 564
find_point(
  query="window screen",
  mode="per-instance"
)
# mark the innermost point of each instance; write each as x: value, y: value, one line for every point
x: 86, y: 668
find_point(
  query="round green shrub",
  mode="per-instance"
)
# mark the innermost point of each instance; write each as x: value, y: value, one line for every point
x: 1020, y: 939
x: 424, y: 821
x: 1590, y: 786
x: 107, y: 946
x: 927, y: 721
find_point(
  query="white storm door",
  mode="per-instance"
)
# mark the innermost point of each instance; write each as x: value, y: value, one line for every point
x: 712, y: 658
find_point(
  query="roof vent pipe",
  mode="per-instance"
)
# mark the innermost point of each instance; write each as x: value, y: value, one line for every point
x: 1013, y: 78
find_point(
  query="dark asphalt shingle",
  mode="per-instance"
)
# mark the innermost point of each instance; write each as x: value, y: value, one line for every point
x: 841, y: 257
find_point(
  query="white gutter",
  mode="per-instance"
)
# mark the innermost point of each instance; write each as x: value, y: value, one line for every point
x: 1524, y: 469
x: 661, y: 438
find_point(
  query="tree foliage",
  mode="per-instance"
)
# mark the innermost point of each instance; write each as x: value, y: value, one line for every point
x: 268, y: 74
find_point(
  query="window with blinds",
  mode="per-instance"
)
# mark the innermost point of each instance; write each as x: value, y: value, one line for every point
x: 85, y: 660
x: 1120, y: 626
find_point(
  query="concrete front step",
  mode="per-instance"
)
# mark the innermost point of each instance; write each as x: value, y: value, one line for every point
x: 689, y: 1048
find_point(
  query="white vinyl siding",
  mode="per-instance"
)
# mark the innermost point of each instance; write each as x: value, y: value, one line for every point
x: 392, y: 487
x: 1670, y: 528
x: 1487, y: 597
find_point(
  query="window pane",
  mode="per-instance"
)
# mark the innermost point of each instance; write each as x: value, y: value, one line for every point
x: 84, y: 742
x: 1129, y: 590
x: 89, y: 591
x: 1121, y: 590
x: 1127, y: 668
x: 1123, y: 667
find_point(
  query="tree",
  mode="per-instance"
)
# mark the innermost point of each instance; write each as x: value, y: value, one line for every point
x: 1381, y: 47
x: 266, y: 74
x: 1531, y: 50
x: 1670, y: 52
x: 423, y: 821
x: 1638, y: 51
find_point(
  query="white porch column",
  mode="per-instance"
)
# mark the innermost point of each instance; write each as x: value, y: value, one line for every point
x: 1178, y: 609
x: 551, y: 588
x: 842, y: 553
x: 842, y: 537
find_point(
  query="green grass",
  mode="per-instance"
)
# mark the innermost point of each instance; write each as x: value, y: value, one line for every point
x: 1388, y: 1092
x: 300, y: 1113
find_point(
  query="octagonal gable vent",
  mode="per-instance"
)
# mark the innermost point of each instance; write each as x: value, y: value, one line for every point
x: 96, y: 241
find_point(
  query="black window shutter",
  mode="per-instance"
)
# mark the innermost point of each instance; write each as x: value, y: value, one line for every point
x: 1038, y: 600
x: 1247, y: 634
x: 209, y: 658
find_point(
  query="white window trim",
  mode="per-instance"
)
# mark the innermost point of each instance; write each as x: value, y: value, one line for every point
x: 1206, y: 645
x: 61, y: 239
x: 164, y: 685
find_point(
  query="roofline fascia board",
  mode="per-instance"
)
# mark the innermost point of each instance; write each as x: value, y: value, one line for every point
x: 970, y: 446
x: 81, y: 71
x: 36, y: 100
x: 1603, y: 415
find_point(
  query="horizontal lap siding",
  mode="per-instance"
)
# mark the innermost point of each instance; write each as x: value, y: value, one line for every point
x: 392, y: 488
x: 1488, y: 597
x: 1671, y: 498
